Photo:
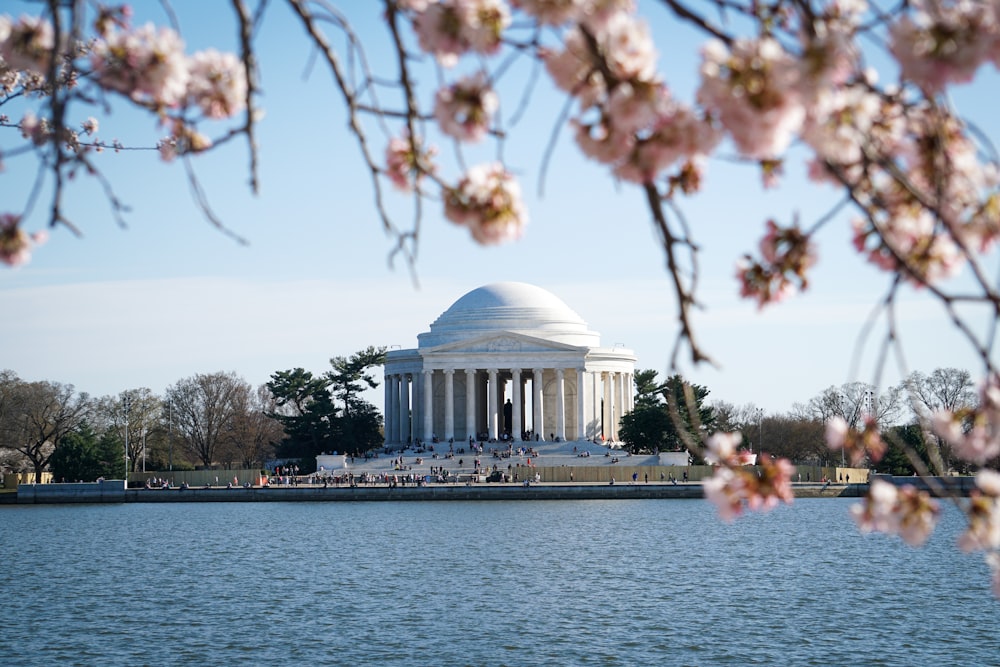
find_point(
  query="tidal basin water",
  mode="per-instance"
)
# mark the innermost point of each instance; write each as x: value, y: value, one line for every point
x: 483, y: 583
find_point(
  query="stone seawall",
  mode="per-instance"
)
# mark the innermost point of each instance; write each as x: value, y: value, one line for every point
x: 108, y: 492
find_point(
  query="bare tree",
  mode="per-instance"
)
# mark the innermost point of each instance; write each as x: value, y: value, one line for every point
x: 41, y: 413
x: 11, y: 427
x: 944, y: 389
x: 131, y: 415
x: 855, y: 402
x: 204, y: 407
x: 252, y: 434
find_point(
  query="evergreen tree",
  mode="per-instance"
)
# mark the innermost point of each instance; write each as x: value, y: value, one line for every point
x: 82, y: 456
x: 666, y: 416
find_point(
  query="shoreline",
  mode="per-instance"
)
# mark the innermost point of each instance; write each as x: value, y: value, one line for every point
x: 114, y: 491
x: 109, y: 492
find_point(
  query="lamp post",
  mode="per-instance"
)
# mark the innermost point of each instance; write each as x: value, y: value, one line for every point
x: 170, y: 434
x: 760, y: 430
x: 126, y: 403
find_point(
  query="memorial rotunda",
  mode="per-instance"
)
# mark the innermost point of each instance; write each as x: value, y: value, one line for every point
x: 507, y: 361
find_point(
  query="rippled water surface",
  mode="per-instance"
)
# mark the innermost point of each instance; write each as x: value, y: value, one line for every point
x: 484, y: 583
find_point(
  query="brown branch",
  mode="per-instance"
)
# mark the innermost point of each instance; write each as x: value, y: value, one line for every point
x: 684, y: 297
x: 350, y: 102
x: 250, y: 69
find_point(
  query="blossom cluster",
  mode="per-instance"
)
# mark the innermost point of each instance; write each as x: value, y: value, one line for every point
x: 15, y: 243
x: 145, y: 64
x: 859, y: 445
x: 451, y: 28
x: 983, y: 530
x: 905, y: 511
x: 786, y: 256
x: 628, y: 118
x: 488, y: 201
x: 733, y: 486
x: 465, y: 109
x: 407, y: 162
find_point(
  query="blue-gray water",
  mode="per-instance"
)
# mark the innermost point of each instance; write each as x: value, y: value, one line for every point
x: 483, y: 583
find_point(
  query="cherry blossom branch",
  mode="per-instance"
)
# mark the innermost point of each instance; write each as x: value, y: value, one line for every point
x: 685, y: 300
x: 350, y: 102
x: 249, y: 60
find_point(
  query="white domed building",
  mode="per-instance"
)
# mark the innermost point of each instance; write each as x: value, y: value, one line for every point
x: 507, y: 361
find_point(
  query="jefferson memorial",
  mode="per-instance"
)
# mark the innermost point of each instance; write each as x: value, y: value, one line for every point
x: 508, y: 361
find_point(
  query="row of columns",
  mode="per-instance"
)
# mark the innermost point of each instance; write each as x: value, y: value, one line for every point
x: 617, y: 400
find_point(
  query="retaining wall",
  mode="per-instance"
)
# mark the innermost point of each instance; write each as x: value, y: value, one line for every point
x: 108, y: 491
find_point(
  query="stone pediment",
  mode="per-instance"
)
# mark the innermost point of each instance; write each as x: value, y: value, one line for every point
x: 501, y: 343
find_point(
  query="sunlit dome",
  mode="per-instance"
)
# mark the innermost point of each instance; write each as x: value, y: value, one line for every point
x: 512, y: 307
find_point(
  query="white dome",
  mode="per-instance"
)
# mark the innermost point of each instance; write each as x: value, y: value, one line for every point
x: 511, y: 307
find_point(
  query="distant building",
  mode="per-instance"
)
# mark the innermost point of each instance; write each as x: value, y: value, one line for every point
x: 507, y: 361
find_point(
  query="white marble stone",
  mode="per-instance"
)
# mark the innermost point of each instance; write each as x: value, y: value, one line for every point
x: 499, y: 332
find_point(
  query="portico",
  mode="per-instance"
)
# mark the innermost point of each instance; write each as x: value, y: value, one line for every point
x: 507, y: 361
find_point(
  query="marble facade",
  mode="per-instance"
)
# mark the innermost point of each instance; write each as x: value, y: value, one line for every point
x: 507, y: 361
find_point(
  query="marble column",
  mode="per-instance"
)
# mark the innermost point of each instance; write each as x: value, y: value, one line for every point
x: 537, y: 414
x: 606, y: 412
x: 449, y: 404
x: 516, y: 427
x: 619, y: 401
x: 470, y: 402
x: 581, y: 420
x: 560, y: 405
x: 428, y: 405
x: 404, y: 408
x: 387, y: 407
x: 394, y: 408
x: 491, y: 402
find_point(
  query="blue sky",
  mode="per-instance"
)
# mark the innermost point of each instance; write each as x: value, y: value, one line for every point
x: 170, y: 296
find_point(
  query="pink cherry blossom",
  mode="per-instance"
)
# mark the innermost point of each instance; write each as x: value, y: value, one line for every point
x: 877, y: 514
x: 943, y: 42
x: 15, y: 243
x: 627, y: 47
x: 753, y: 88
x: 638, y: 105
x: 677, y: 134
x: 787, y: 255
x: 464, y: 110
x: 906, y: 511
x: 147, y: 64
x: 217, y: 83
x: 724, y: 489
x: 404, y: 167
x: 438, y: 29
x: 860, y: 446
x: 27, y: 44
x: 601, y: 142
x: 731, y: 487
x: 449, y: 28
x: 836, y: 432
x: 721, y: 447
x: 575, y: 69
x: 488, y: 201
x: 486, y: 20
x: 552, y: 12
x: 982, y: 532
x: 840, y: 121
x: 771, y: 485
